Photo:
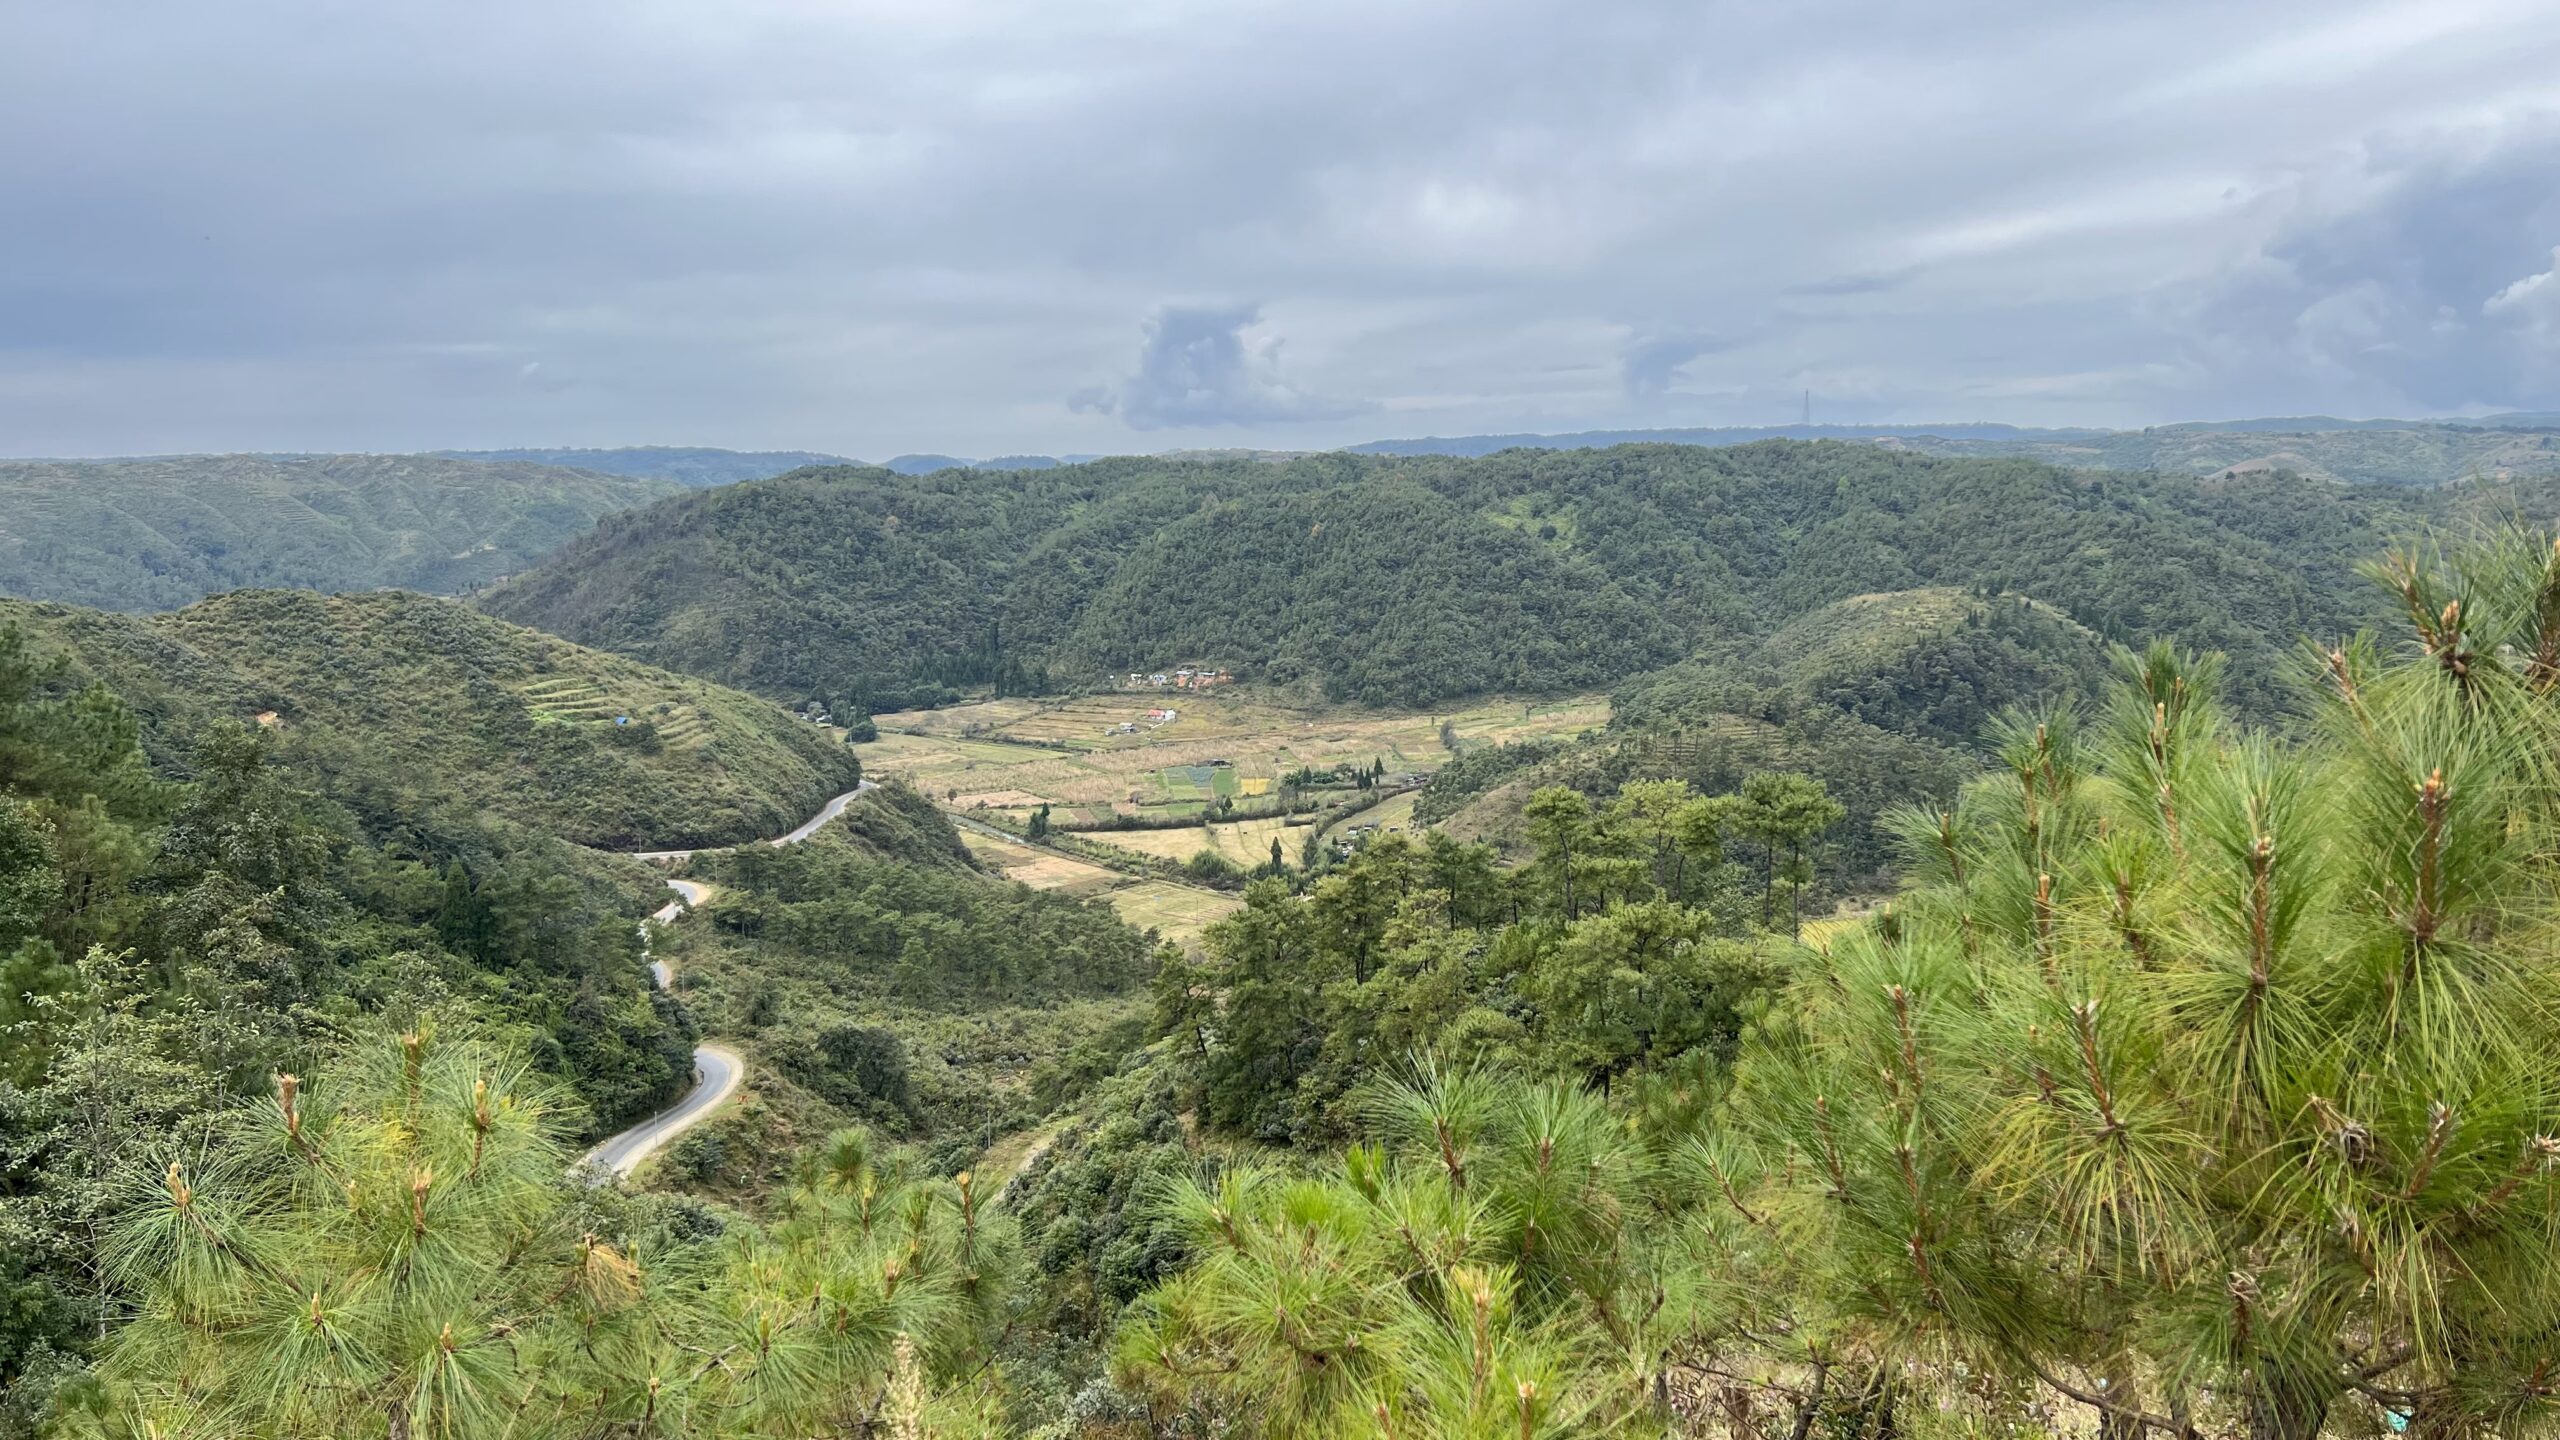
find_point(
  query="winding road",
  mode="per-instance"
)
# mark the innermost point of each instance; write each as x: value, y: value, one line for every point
x: 717, y: 1070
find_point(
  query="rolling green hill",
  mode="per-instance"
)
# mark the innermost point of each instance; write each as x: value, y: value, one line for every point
x: 156, y: 533
x: 1413, y: 579
x: 1933, y: 663
x: 402, y: 704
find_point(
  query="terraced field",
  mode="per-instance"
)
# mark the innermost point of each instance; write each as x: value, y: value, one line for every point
x: 576, y: 699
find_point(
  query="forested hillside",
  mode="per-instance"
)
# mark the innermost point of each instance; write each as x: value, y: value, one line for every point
x: 398, y: 704
x: 158, y: 533
x: 1883, y: 698
x: 176, y: 930
x: 1408, y: 580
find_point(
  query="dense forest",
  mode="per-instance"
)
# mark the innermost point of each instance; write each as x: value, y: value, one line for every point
x: 1395, y: 580
x: 158, y: 533
x: 399, y: 704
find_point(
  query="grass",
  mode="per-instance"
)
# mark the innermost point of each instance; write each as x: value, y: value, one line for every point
x: 1177, y: 912
x: 999, y: 1163
x: 1821, y: 934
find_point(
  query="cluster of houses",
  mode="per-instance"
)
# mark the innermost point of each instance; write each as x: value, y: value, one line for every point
x: 1187, y: 678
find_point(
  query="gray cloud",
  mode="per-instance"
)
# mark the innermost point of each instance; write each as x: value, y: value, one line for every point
x: 2413, y: 273
x: 1650, y: 363
x: 1198, y: 366
x: 869, y: 229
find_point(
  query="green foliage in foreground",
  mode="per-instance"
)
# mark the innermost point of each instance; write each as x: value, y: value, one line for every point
x: 2201, y: 1082
x: 1484, y: 1269
x: 157, y: 533
x: 165, y: 944
x: 396, y: 1250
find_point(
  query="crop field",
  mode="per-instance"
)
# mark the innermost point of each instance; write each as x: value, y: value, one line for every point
x: 572, y: 699
x: 1038, y: 868
x: 1177, y: 912
x: 1822, y: 933
x: 972, y: 755
x: 1246, y: 843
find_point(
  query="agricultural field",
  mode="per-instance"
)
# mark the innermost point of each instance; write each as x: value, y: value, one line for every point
x: 1242, y: 843
x: 1076, y: 756
x: 1177, y: 912
x: 1394, y: 813
x: 1039, y: 868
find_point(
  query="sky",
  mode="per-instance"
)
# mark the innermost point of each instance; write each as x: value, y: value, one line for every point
x: 981, y: 227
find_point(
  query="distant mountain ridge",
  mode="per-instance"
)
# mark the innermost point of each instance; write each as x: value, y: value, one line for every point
x: 2382, y: 452
x: 692, y: 466
x: 160, y: 532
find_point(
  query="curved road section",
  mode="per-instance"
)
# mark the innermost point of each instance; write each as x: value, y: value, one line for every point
x: 717, y: 1069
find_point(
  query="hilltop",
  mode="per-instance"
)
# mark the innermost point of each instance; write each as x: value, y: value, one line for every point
x: 1933, y: 663
x: 151, y: 534
x: 1409, y: 580
x: 400, y: 704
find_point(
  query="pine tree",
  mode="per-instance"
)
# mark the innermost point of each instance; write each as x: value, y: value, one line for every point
x: 2203, y: 1078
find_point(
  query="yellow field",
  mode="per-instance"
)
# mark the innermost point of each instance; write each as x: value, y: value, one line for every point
x: 1038, y: 868
x: 1177, y: 912
x: 1823, y: 933
x: 1244, y: 843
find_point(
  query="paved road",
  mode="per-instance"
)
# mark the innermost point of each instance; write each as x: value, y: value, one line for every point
x: 717, y: 1069
x: 690, y: 893
x: 827, y: 812
x: 717, y: 1073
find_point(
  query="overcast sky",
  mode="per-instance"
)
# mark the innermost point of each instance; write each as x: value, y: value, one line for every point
x: 1068, y: 225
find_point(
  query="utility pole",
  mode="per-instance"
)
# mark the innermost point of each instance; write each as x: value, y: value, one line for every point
x: 1808, y: 408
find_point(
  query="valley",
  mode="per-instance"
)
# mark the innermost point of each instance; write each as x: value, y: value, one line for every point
x: 1560, y: 835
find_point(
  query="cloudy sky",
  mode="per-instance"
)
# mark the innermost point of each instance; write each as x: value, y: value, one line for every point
x: 982, y: 227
